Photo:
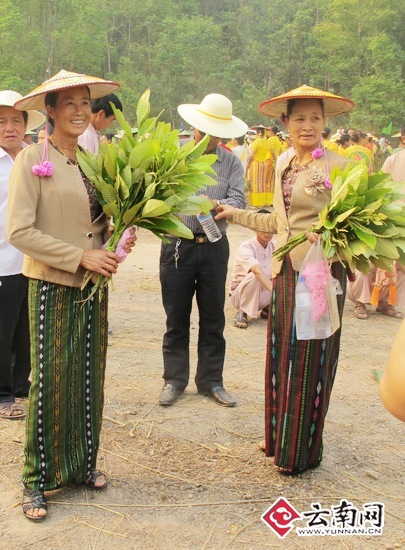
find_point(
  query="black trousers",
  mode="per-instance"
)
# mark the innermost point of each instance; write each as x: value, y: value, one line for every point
x: 15, y: 363
x: 201, y: 270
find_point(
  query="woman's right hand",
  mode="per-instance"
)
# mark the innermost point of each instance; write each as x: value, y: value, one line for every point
x: 100, y: 261
x: 224, y: 211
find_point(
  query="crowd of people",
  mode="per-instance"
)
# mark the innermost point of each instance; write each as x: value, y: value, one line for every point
x: 53, y: 230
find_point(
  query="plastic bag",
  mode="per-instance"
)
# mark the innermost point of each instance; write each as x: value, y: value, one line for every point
x: 316, y: 309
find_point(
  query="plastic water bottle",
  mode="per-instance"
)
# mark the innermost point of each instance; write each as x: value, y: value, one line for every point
x: 210, y: 227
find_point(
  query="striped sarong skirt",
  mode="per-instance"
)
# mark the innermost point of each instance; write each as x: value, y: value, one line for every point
x: 65, y: 403
x: 299, y: 378
x: 261, y: 183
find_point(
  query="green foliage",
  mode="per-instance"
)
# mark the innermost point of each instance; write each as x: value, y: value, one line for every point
x: 184, y: 49
x: 149, y: 180
x: 359, y: 234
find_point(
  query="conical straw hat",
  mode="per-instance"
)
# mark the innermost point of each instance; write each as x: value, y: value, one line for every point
x: 334, y: 104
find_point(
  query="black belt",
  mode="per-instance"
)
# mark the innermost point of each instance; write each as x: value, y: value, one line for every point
x: 198, y: 238
x: 201, y: 238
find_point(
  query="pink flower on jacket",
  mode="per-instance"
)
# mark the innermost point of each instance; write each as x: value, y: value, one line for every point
x: 328, y: 183
x: 44, y: 169
x: 317, y: 153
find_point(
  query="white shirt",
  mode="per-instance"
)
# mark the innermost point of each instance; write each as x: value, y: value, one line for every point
x: 90, y: 139
x: 11, y: 259
x: 395, y: 165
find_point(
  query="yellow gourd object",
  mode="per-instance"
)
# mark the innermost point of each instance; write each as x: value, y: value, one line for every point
x: 392, y: 384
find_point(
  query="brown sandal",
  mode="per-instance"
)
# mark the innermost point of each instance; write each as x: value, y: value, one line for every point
x: 360, y: 311
x: 390, y: 311
x: 91, y: 481
x: 241, y: 320
x: 31, y: 501
x: 12, y: 411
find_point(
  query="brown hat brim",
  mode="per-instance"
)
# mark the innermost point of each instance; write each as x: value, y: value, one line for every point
x: 334, y: 104
x: 62, y: 80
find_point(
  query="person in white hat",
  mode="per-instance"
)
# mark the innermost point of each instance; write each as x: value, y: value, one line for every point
x: 14, y: 331
x: 199, y: 267
x: 56, y: 220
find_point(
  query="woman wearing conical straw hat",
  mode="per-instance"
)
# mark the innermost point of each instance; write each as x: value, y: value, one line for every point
x: 55, y: 219
x: 299, y: 373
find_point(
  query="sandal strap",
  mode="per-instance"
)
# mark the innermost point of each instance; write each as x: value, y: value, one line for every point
x: 34, y: 499
x: 91, y: 482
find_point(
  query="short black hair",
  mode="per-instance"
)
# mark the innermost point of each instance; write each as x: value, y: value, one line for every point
x: 103, y: 104
x: 25, y: 117
x: 326, y: 132
x: 344, y: 138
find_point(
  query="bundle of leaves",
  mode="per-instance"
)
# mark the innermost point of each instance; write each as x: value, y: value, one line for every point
x: 147, y: 180
x: 363, y: 223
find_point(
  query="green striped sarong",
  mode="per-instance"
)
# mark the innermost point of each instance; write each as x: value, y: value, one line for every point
x: 65, y: 404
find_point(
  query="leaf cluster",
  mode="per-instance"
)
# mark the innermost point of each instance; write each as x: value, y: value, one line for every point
x: 147, y: 180
x: 364, y: 223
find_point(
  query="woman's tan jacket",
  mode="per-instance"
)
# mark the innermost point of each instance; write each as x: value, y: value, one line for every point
x: 49, y: 218
x: 304, y: 208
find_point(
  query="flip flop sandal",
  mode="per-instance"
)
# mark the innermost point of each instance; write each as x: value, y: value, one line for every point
x: 241, y: 320
x: 390, y: 311
x: 360, y: 312
x: 7, y: 409
x: 32, y: 500
x: 91, y: 482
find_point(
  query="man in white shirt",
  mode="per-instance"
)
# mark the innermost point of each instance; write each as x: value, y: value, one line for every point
x: 251, y: 285
x: 102, y: 116
x: 14, y: 331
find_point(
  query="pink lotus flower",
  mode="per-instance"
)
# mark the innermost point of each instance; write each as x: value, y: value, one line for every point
x: 44, y: 169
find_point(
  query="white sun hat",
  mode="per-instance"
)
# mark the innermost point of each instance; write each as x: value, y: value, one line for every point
x: 35, y: 118
x: 213, y: 116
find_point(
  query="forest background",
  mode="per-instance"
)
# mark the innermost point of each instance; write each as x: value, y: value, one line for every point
x: 249, y: 50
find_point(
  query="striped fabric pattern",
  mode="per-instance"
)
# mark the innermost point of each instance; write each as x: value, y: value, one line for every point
x: 261, y: 183
x: 299, y: 378
x: 68, y: 357
x: 229, y: 190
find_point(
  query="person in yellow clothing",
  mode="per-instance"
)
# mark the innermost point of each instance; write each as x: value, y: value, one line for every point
x: 358, y: 152
x: 331, y: 145
x: 344, y: 144
x: 258, y: 171
x: 275, y: 150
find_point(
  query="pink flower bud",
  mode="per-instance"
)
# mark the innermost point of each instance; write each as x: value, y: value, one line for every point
x: 44, y: 169
x: 317, y: 153
x: 327, y: 183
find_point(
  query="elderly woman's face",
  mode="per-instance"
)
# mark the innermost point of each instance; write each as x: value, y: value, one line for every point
x: 305, y: 124
x: 72, y: 111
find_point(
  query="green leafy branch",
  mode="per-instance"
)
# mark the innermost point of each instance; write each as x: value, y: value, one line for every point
x: 148, y: 180
x: 363, y: 223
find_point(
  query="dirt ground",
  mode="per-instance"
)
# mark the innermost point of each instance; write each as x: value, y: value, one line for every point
x: 191, y: 475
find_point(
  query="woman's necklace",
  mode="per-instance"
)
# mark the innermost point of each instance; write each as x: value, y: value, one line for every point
x: 70, y: 160
x: 299, y: 167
